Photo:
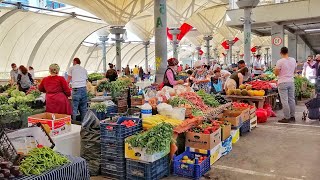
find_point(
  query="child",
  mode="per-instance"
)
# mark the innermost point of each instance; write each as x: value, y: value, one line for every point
x: 216, y: 85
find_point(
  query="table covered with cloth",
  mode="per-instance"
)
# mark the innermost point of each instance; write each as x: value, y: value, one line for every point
x: 75, y: 170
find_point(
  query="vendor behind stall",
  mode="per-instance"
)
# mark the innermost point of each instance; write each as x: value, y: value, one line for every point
x: 169, y: 78
x: 236, y: 79
x: 201, y: 77
x: 57, y: 92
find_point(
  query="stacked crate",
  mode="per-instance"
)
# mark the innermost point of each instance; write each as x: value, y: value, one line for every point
x: 113, y: 162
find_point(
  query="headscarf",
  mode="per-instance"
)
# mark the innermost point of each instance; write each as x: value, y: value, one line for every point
x: 54, y: 68
x: 173, y: 62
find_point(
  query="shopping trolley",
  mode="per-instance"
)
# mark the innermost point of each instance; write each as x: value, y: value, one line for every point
x: 313, y: 109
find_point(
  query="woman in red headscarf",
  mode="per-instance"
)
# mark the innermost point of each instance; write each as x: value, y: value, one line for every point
x: 169, y: 78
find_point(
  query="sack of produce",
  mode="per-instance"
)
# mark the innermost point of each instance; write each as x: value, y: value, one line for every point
x: 262, y: 115
x: 269, y: 110
x: 90, y: 142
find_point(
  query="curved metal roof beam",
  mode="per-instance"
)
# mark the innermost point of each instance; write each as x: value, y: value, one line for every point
x: 130, y: 50
x: 135, y: 54
x: 86, y: 62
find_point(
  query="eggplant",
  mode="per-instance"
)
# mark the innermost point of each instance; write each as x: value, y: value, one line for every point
x: 5, y: 165
x: 15, y: 170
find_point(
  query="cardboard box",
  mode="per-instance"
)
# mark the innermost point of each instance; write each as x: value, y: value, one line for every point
x: 245, y: 112
x: 235, y: 121
x: 54, y: 124
x: 215, y: 152
x: 225, y: 132
x: 141, y: 155
x: 235, y: 135
x: 203, y: 141
x: 253, y: 122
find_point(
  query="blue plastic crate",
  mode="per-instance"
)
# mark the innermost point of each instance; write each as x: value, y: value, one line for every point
x: 192, y: 171
x: 245, y: 128
x: 138, y: 170
x: 113, y: 147
x: 100, y: 115
x: 113, y: 163
x: 116, y: 130
x: 119, y: 175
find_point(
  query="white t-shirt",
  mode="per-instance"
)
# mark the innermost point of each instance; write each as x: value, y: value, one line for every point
x: 287, y: 68
x: 258, y: 65
x: 79, y: 76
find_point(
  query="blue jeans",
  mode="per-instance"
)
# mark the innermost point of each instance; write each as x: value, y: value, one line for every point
x: 288, y: 100
x: 79, y: 102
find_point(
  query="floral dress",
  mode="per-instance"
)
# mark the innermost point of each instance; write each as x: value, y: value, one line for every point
x: 202, y: 76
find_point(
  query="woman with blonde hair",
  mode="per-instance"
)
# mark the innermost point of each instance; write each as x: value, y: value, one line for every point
x: 57, y: 92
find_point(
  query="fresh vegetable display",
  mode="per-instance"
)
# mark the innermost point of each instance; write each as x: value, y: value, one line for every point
x: 207, y: 127
x: 212, y: 114
x: 3, y: 88
x: 242, y: 105
x: 182, y: 102
x: 208, y: 99
x: 8, y: 109
x: 195, y: 99
x: 99, y: 107
x: 188, y: 160
x: 34, y: 91
x: 220, y: 99
x: 155, y: 140
x: 8, y: 170
x: 260, y: 85
x: 104, y: 86
x: 3, y: 100
x: 151, y: 121
x: 128, y: 123
x: 299, y: 81
x: 95, y: 77
x: 40, y: 160
x: 24, y: 109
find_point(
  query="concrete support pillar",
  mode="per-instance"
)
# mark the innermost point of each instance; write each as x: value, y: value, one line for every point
x: 118, y: 31
x: 277, y: 40
x: 160, y: 34
x: 238, y: 56
x: 208, y: 39
x: 198, y: 52
x: 146, y: 46
x: 215, y: 51
x: 175, y: 42
x: 103, y: 40
x: 230, y: 43
x: 247, y: 34
x: 292, y: 45
x: 267, y: 57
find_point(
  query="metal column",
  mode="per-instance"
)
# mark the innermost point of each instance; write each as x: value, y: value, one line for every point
x: 146, y: 46
x: 247, y: 5
x: 230, y: 43
x: 208, y: 39
x: 175, y: 42
x: 118, y: 31
x: 103, y: 40
x: 198, y: 52
x: 160, y: 33
x: 292, y: 45
x: 277, y: 38
x: 268, y: 59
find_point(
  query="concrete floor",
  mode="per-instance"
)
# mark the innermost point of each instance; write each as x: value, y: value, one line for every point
x: 272, y: 151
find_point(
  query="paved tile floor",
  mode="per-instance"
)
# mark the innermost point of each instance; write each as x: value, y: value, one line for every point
x: 272, y: 151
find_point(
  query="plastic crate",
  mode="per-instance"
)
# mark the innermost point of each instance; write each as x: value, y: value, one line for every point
x: 192, y: 171
x: 111, y: 130
x: 138, y: 170
x: 253, y: 123
x: 7, y: 150
x: 245, y: 128
x: 113, y: 164
x: 119, y: 175
x: 112, y: 147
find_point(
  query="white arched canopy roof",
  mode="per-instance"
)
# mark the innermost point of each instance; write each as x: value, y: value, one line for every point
x: 29, y: 38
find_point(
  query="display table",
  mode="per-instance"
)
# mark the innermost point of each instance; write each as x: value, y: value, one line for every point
x: 69, y: 143
x: 255, y: 100
x: 76, y: 170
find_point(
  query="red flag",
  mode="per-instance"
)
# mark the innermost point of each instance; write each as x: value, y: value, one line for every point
x: 225, y: 45
x: 235, y: 39
x: 184, y: 29
x: 254, y: 49
x: 200, y: 52
x: 241, y: 55
x: 223, y: 54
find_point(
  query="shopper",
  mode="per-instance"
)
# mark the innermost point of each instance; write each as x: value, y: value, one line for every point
x: 31, y: 71
x: 180, y: 68
x: 236, y: 79
x: 169, y: 78
x: 57, y: 92
x: 285, y: 69
x: 241, y: 64
x: 135, y: 72
x: 189, y: 79
x: 127, y: 71
x: 201, y: 77
x: 316, y: 67
x: 308, y: 71
x: 141, y: 73
x: 187, y: 67
x: 78, y: 76
x: 258, y: 66
x: 223, y: 75
x: 14, y: 74
x: 111, y: 74
x: 24, y: 79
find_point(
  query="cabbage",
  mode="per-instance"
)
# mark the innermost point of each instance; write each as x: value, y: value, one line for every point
x: 12, y: 100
